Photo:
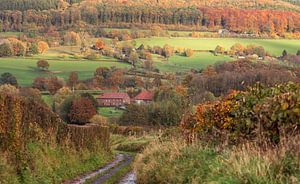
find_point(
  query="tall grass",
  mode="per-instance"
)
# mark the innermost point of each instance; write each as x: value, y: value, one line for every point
x: 52, y: 164
x: 176, y: 162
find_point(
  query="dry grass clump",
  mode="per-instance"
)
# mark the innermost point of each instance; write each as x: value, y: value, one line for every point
x: 177, y: 162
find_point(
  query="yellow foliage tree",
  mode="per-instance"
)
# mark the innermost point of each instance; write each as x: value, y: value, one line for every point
x: 43, y: 47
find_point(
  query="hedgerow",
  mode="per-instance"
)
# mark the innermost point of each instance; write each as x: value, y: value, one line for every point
x: 263, y: 114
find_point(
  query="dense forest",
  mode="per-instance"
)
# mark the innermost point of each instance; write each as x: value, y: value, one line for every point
x: 65, y: 14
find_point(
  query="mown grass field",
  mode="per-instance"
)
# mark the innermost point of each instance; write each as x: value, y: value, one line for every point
x: 178, y: 63
x: 274, y: 47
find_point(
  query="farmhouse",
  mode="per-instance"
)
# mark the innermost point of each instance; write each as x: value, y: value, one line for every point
x: 113, y: 99
x: 144, y: 97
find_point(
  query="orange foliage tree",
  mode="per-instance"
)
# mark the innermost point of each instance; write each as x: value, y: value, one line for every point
x: 82, y: 110
x: 42, y: 47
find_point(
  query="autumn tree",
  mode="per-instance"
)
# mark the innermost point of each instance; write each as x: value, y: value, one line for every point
x: 42, y: 47
x: 219, y: 50
x: 168, y: 51
x: 116, y: 78
x: 188, y: 52
x: 100, y: 44
x: 61, y: 95
x: 43, y: 65
x: 9, y: 89
x: 82, y: 110
x: 18, y: 47
x: 72, y: 39
x: 133, y: 58
x: 33, y: 49
x: 157, y: 81
x: 54, y: 84
x: 8, y: 78
x: 40, y: 83
x: 73, y: 79
x: 148, y: 64
x: 260, y: 51
x: 6, y: 50
x: 237, y: 49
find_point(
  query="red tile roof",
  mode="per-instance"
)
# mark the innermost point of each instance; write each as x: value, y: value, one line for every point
x: 144, y: 95
x: 113, y: 96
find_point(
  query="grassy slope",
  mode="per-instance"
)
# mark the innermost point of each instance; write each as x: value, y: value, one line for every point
x: 275, y: 47
x: 25, y: 68
x: 51, y: 164
x: 109, y: 112
x: 176, y: 162
x: 178, y: 63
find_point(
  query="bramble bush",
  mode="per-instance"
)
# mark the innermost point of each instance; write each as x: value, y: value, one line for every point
x: 260, y: 113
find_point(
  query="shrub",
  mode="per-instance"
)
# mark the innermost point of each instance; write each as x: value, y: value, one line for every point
x: 99, y: 120
x: 135, y: 115
x: 262, y: 114
x: 42, y: 65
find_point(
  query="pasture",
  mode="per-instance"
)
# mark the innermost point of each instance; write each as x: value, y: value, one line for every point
x: 179, y: 63
x: 274, y: 47
x: 25, y: 69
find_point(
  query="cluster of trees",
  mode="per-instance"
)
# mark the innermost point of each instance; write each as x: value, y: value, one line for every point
x: 237, y: 20
x: 8, y: 78
x: 291, y: 59
x: 240, y: 50
x: 15, y: 47
x: 220, y: 79
x: 167, y: 109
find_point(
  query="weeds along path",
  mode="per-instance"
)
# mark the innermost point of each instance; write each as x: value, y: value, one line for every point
x: 105, y: 173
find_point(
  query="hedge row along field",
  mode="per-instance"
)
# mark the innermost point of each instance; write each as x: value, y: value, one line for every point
x: 23, y: 121
x: 259, y: 114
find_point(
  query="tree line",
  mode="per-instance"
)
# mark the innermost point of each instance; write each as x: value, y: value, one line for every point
x: 197, y: 18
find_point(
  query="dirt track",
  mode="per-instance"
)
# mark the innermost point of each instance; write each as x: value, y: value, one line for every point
x: 105, y: 173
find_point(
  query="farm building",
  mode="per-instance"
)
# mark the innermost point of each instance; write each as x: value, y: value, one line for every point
x: 113, y: 99
x: 144, y: 97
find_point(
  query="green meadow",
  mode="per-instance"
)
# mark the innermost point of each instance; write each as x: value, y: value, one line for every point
x: 179, y: 63
x: 274, y: 47
x: 25, y: 69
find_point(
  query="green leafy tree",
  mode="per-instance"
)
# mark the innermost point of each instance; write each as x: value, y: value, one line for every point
x: 8, y: 78
x: 284, y: 53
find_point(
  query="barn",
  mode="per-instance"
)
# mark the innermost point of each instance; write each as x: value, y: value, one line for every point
x: 113, y: 99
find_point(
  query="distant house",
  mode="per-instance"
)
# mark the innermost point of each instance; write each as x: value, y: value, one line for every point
x: 113, y: 99
x: 223, y: 31
x: 144, y: 97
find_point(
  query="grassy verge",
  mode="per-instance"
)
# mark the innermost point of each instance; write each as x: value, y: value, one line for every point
x: 52, y: 164
x: 130, y: 143
x: 177, y: 162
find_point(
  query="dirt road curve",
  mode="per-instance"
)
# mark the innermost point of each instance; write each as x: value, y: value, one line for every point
x: 103, y: 174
